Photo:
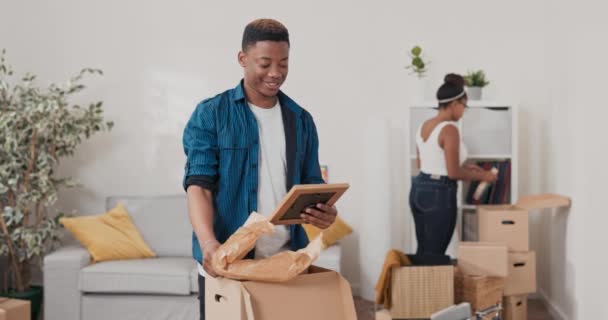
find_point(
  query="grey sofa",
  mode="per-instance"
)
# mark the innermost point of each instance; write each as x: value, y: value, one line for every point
x: 165, y: 287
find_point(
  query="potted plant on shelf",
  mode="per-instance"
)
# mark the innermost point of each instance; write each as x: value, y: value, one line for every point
x: 38, y: 127
x: 418, y: 67
x: 475, y: 81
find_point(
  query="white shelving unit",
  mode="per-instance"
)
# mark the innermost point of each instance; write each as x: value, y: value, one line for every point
x: 489, y: 130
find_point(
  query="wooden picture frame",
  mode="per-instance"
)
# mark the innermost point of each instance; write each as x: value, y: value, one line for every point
x: 303, y: 196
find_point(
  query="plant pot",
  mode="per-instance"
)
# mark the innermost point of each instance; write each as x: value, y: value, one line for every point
x: 416, y: 89
x: 34, y: 295
x: 474, y: 93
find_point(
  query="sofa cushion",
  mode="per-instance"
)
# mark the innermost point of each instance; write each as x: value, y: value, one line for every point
x: 109, y: 236
x: 164, y: 275
x: 330, y: 258
x: 162, y: 221
x: 338, y: 230
x: 194, y: 279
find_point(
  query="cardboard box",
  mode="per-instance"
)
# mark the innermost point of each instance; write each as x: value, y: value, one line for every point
x: 320, y: 294
x: 483, y: 259
x: 420, y: 291
x: 515, y: 307
x: 509, y: 224
x: 504, y: 224
x: 14, y: 309
x: 383, y: 315
x: 522, y: 273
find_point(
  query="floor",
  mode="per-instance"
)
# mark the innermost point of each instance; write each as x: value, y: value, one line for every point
x: 536, y: 310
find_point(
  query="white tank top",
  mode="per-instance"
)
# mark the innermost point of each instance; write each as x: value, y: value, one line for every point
x: 432, y: 156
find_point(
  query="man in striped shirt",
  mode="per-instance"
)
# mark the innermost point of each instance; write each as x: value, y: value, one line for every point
x: 245, y: 148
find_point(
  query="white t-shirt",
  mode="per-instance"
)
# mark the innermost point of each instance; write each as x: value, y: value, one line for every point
x: 432, y: 155
x: 272, y: 175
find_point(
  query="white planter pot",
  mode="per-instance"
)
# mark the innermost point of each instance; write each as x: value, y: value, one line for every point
x: 417, y: 88
x: 474, y: 93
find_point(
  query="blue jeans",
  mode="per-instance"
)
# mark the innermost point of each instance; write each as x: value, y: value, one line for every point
x: 201, y: 296
x: 434, y: 207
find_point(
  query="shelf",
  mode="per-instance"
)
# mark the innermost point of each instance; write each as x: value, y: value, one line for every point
x: 480, y: 157
x: 489, y: 156
x: 470, y: 103
x: 489, y: 129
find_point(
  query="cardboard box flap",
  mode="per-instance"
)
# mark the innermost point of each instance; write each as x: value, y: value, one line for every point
x: 347, y: 299
x: 483, y: 259
x: 544, y: 201
x: 329, y: 293
x: 247, y: 302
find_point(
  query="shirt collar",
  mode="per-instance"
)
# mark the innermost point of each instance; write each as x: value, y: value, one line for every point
x: 284, y: 100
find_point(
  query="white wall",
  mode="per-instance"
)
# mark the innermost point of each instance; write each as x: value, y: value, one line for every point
x: 571, y: 243
x: 347, y: 69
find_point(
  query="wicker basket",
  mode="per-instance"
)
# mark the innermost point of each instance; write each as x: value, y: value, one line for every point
x: 419, y: 291
x: 480, y: 291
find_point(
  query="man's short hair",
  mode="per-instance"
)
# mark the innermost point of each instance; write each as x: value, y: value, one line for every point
x: 264, y: 30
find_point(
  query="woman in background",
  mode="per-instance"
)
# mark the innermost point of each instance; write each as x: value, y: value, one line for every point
x: 440, y: 157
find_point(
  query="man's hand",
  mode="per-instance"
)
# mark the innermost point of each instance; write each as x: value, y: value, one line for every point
x: 321, y: 216
x: 209, y: 248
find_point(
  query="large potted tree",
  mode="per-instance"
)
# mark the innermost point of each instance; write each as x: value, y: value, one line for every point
x: 38, y: 127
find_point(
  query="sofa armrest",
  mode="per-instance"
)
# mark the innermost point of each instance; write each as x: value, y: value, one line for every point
x: 61, y: 274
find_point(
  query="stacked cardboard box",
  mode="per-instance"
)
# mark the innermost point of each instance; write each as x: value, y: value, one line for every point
x: 509, y: 225
x: 480, y: 278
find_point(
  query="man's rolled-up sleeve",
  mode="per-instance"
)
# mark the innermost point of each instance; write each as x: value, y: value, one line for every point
x: 200, y: 147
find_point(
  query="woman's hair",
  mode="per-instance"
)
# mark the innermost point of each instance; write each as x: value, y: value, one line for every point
x: 452, y: 89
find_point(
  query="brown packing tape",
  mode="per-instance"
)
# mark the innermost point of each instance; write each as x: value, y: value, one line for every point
x: 544, y: 201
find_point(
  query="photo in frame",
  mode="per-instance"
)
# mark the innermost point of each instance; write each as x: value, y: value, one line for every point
x: 301, y: 197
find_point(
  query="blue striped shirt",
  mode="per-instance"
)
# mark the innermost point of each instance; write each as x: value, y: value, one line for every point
x: 221, y: 142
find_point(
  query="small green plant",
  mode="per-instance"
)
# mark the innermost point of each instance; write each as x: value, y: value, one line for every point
x: 418, y: 65
x: 476, y: 79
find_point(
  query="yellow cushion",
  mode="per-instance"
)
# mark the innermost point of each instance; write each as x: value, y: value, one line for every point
x: 109, y: 236
x: 338, y: 230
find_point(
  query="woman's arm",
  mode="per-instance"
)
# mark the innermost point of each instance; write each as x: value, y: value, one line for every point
x: 449, y: 140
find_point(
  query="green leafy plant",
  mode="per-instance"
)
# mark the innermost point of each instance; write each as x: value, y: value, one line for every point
x: 38, y: 127
x: 476, y: 79
x: 417, y: 65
